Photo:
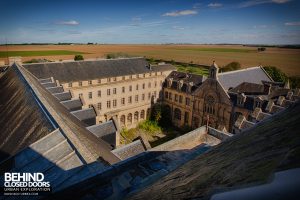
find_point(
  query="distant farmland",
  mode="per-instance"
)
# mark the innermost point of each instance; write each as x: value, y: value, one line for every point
x: 286, y: 59
x: 4, y: 54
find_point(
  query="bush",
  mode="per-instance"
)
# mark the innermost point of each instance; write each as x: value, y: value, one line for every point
x: 231, y: 67
x: 261, y: 49
x: 276, y: 74
x: 149, y: 126
x: 78, y: 57
x: 117, y: 55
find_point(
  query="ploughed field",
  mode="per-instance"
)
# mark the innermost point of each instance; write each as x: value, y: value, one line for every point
x: 285, y: 59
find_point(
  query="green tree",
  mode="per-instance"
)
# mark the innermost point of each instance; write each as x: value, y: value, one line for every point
x: 231, y: 67
x: 78, y: 57
x: 276, y: 74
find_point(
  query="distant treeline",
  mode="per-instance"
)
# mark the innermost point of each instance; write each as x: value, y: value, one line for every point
x: 296, y: 46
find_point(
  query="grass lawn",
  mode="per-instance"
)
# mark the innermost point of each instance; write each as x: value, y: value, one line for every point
x: 192, y: 69
x: 4, y: 54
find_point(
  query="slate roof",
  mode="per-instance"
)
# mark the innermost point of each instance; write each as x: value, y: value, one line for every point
x: 72, y: 105
x: 22, y: 122
x: 91, y: 70
x: 106, y: 131
x: 63, y: 96
x: 251, y: 75
x: 249, y: 88
x: 129, y: 150
x: 186, y: 78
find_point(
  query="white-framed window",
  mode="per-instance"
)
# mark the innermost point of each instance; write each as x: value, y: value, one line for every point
x: 90, y: 95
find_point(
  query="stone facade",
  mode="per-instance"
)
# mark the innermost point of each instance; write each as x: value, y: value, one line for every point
x: 128, y: 98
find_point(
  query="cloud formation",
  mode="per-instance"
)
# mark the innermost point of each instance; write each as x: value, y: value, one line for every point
x: 69, y: 23
x: 214, y: 5
x: 250, y: 3
x: 292, y: 23
x: 180, y: 13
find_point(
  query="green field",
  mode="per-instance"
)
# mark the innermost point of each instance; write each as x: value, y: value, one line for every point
x: 4, y: 54
x: 227, y: 50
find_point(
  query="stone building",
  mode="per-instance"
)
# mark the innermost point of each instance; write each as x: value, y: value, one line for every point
x: 243, y: 96
x: 120, y: 88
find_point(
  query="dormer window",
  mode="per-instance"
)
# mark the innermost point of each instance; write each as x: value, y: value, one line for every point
x: 70, y: 85
x: 80, y: 83
x: 90, y: 82
x: 115, y: 79
x: 99, y: 80
x: 108, y: 80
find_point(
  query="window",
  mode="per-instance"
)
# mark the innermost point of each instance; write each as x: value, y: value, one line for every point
x: 108, y: 80
x: 108, y: 104
x: 187, y: 101
x: 136, y: 116
x: 123, y: 101
x: 137, y: 87
x: 80, y: 83
x: 160, y: 83
x: 130, y: 76
x: 209, y: 104
x: 99, y: 106
x: 150, y: 74
x: 180, y: 99
x: 143, y: 97
x: 130, y: 99
x: 177, y: 114
x: 149, y: 85
x: 90, y: 95
x: 108, y: 92
x: 114, y: 103
x: 70, y: 84
x: 136, y: 98
x: 166, y: 95
x: 142, y: 114
x: 155, y: 83
x: 99, y: 93
x: 154, y: 94
x: 122, y: 120
x: 129, y: 118
x: 123, y: 78
x: 138, y: 76
x: 155, y: 73
x: 115, y: 78
x: 144, y: 75
x: 123, y: 89
x: 143, y: 85
x: 149, y: 95
x: 130, y: 88
x: 80, y: 94
x: 176, y: 97
x: 186, y: 117
x: 257, y: 104
x: 90, y: 105
x: 90, y: 82
x: 170, y: 96
x: 115, y: 91
x: 99, y: 80
x: 160, y: 73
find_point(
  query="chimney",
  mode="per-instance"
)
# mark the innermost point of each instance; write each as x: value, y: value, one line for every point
x: 190, y: 85
x: 180, y: 84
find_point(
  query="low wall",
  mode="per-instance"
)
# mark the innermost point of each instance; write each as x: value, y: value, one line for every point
x: 218, y: 134
x: 190, y: 137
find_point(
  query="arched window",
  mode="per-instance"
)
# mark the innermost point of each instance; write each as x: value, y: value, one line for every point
x: 148, y: 113
x: 143, y: 114
x: 177, y: 114
x: 129, y: 118
x: 136, y: 116
x: 209, y: 104
x: 122, y: 120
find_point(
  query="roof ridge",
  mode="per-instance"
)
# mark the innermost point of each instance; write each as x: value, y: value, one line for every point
x: 240, y: 70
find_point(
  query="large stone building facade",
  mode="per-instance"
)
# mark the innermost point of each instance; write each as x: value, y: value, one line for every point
x: 120, y: 88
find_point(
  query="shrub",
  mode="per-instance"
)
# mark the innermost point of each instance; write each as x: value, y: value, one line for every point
x: 231, y: 67
x: 78, y: 57
x: 117, y: 55
x: 149, y: 126
x: 276, y: 74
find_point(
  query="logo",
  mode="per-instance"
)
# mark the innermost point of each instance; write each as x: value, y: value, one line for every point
x: 25, y: 184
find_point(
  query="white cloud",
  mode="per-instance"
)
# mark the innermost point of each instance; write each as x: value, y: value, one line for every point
x: 69, y: 23
x: 180, y: 13
x: 215, y: 5
x: 178, y: 27
x: 259, y: 2
x: 292, y: 23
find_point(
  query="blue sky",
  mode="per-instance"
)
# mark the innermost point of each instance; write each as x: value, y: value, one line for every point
x: 155, y: 21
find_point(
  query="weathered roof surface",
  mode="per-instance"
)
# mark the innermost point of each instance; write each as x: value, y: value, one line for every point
x: 247, y: 158
x: 249, y: 88
x: 72, y: 105
x: 63, y: 96
x: 106, y: 131
x: 129, y: 150
x: 89, y: 70
x: 251, y: 75
x: 22, y: 122
x: 88, y: 145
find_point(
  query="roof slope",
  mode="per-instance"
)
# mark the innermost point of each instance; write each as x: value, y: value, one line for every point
x: 251, y: 75
x: 21, y: 120
x: 91, y: 70
x: 250, y: 157
x: 89, y: 146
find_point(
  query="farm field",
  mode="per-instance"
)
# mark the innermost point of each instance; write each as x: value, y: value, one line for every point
x: 4, y: 54
x: 285, y: 59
